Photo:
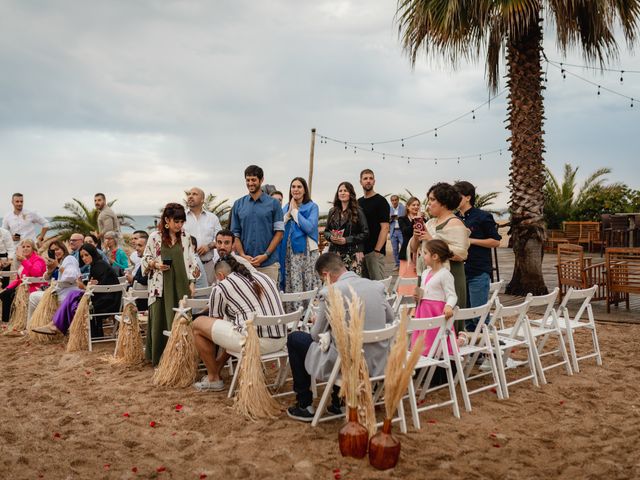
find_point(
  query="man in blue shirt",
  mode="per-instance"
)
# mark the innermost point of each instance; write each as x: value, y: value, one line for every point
x: 257, y: 223
x: 484, y: 236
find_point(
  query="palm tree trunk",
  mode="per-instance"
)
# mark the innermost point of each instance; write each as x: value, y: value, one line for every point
x: 526, y: 116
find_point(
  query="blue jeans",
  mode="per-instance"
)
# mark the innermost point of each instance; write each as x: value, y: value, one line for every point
x: 477, y: 295
x: 396, y: 243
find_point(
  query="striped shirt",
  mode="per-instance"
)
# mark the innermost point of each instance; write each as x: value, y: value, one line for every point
x: 234, y: 299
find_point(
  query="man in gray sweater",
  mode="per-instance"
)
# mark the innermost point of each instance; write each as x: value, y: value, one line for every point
x: 307, y: 357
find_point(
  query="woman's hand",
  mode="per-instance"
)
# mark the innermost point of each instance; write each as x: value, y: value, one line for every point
x: 160, y: 266
x: 448, y: 312
x: 338, y: 240
x: 359, y: 256
x: 417, y: 294
x: 79, y: 283
x: 192, y: 289
x: 421, y: 235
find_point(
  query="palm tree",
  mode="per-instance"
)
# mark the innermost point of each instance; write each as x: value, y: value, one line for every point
x: 82, y: 219
x: 463, y: 29
x: 562, y: 198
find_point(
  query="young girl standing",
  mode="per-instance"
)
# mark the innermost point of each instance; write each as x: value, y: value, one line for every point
x: 437, y: 294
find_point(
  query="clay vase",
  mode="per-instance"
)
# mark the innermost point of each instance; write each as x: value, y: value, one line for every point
x: 353, y: 437
x: 384, y: 448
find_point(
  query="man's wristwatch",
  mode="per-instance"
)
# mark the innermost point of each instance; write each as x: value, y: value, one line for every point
x: 266, y: 252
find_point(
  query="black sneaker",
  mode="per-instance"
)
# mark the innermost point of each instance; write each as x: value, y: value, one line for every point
x: 335, y: 409
x: 301, y: 414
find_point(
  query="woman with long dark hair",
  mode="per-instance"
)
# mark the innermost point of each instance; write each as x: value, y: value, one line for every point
x: 347, y: 228
x: 100, y: 273
x: 407, y: 226
x: 238, y: 294
x: 298, y: 249
x: 169, y: 261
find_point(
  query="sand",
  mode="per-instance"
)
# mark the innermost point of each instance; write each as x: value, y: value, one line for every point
x: 75, y: 416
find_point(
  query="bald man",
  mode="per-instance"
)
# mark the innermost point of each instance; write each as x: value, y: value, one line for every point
x: 203, y: 225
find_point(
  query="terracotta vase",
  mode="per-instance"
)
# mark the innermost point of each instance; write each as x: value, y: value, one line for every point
x: 353, y: 437
x: 384, y: 448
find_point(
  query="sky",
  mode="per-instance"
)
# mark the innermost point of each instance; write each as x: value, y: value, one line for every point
x: 142, y: 99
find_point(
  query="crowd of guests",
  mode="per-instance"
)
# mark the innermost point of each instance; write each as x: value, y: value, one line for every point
x: 267, y: 248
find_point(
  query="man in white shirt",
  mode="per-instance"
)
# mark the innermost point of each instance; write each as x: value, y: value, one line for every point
x: 202, y: 225
x: 7, y: 253
x: 21, y: 223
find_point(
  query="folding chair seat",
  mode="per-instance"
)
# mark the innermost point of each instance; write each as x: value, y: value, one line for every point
x: 437, y: 356
x: 288, y: 321
x: 368, y: 336
x: 569, y: 324
x: 96, y: 289
x: 518, y: 337
x: 204, y: 292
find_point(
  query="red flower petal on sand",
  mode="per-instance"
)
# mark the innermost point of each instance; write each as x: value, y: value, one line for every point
x: 497, y: 445
x: 336, y: 470
x: 152, y: 424
x: 174, y: 434
x: 134, y: 469
x: 561, y: 402
x: 431, y: 421
x: 56, y: 435
x: 126, y: 415
x: 493, y: 434
x: 178, y: 407
x: 493, y: 390
x: 161, y: 469
x: 106, y: 466
x: 203, y: 475
x: 337, y: 476
x: 87, y: 372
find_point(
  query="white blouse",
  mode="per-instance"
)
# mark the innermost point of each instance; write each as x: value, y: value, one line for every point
x: 440, y: 287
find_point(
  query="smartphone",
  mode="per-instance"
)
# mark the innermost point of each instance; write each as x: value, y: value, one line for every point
x: 51, y: 254
x: 167, y: 261
x: 418, y: 224
x: 85, y: 278
x: 4, y: 255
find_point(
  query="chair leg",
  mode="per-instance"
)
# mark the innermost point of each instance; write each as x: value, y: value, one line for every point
x: 325, y: 396
x: 536, y: 358
x: 532, y: 366
x: 89, y: 334
x: 500, y: 365
x: 413, y: 404
x: 572, y: 349
x: 452, y: 390
x: 594, y: 335
x: 235, y: 378
x: 563, y: 350
x: 495, y: 374
x: 403, y: 419
x: 459, y: 378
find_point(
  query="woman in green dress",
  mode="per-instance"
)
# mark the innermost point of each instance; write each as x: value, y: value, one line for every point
x: 169, y: 262
x: 442, y: 200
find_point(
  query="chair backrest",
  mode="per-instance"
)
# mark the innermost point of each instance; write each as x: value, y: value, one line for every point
x: 8, y: 274
x: 585, y: 294
x: 122, y: 280
x: 31, y: 280
x: 518, y: 311
x: 298, y: 296
x: 380, y: 335
x: 287, y: 319
x: 440, y: 323
x: 203, y: 292
x: 494, y: 291
x: 403, y: 281
x: 196, y: 304
x: 138, y: 293
x: 470, y: 313
x: 623, y: 270
x: 138, y: 286
x: 387, y: 283
x: 108, y: 288
x: 548, y: 301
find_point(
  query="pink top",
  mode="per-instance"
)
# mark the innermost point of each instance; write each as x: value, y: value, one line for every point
x: 33, y: 266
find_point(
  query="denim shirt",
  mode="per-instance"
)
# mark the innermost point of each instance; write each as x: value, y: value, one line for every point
x: 255, y: 222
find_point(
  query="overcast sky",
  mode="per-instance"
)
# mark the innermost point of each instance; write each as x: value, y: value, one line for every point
x: 142, y: 99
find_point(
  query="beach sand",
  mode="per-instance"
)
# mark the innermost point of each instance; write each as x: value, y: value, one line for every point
x: 63, y: 416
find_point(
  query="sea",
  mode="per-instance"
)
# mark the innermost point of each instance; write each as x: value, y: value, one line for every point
x: 138, y: 222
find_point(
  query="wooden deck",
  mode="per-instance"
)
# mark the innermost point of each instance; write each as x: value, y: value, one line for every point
x: 506, y: 262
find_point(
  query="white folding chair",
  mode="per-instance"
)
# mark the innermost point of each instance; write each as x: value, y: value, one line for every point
x: 98, y: 289
x: 8, y: 273
x: 494, y: 292
x: 32, y: 280
x: 285, y: 321
x: 437, y: 356
x: 479, y: 344
x: 518, y: 337
x: 403, y: 300
x: 204, y: 292
x: 368, y: 336
x: 123, y: 280
x: 307, y: 296
x: 570, y: 324
x: 387, y: 284
x: 544, y: 328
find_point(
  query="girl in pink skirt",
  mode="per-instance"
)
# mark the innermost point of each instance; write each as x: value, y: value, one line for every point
x: 437, y: 294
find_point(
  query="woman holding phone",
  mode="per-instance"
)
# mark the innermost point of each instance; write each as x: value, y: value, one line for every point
x: 169, y: 262
x: 347, y: 228
x: 413, y: 220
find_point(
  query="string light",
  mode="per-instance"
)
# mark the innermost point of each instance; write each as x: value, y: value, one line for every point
x: 599, y: 69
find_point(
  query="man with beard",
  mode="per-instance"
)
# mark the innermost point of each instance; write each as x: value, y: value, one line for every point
x: 376, y: 210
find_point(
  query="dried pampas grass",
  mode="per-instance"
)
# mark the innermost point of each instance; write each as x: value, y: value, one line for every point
x: 43, y: 314
x: 399, y: 368
x: 253, y: 400
x: 129, y: 351
x: 179, y: 362
x: 79, y: 329
x: 19, y: 307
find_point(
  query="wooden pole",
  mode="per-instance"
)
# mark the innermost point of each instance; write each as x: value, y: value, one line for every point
x: 311, y: 154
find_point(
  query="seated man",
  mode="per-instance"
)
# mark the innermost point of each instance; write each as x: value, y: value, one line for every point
x: 136, y: 257
x: 307, y: 357
x: 224, y: 246
x: 237, y: 294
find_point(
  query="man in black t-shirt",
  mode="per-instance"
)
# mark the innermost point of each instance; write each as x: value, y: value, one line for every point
x: 376, y: 211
